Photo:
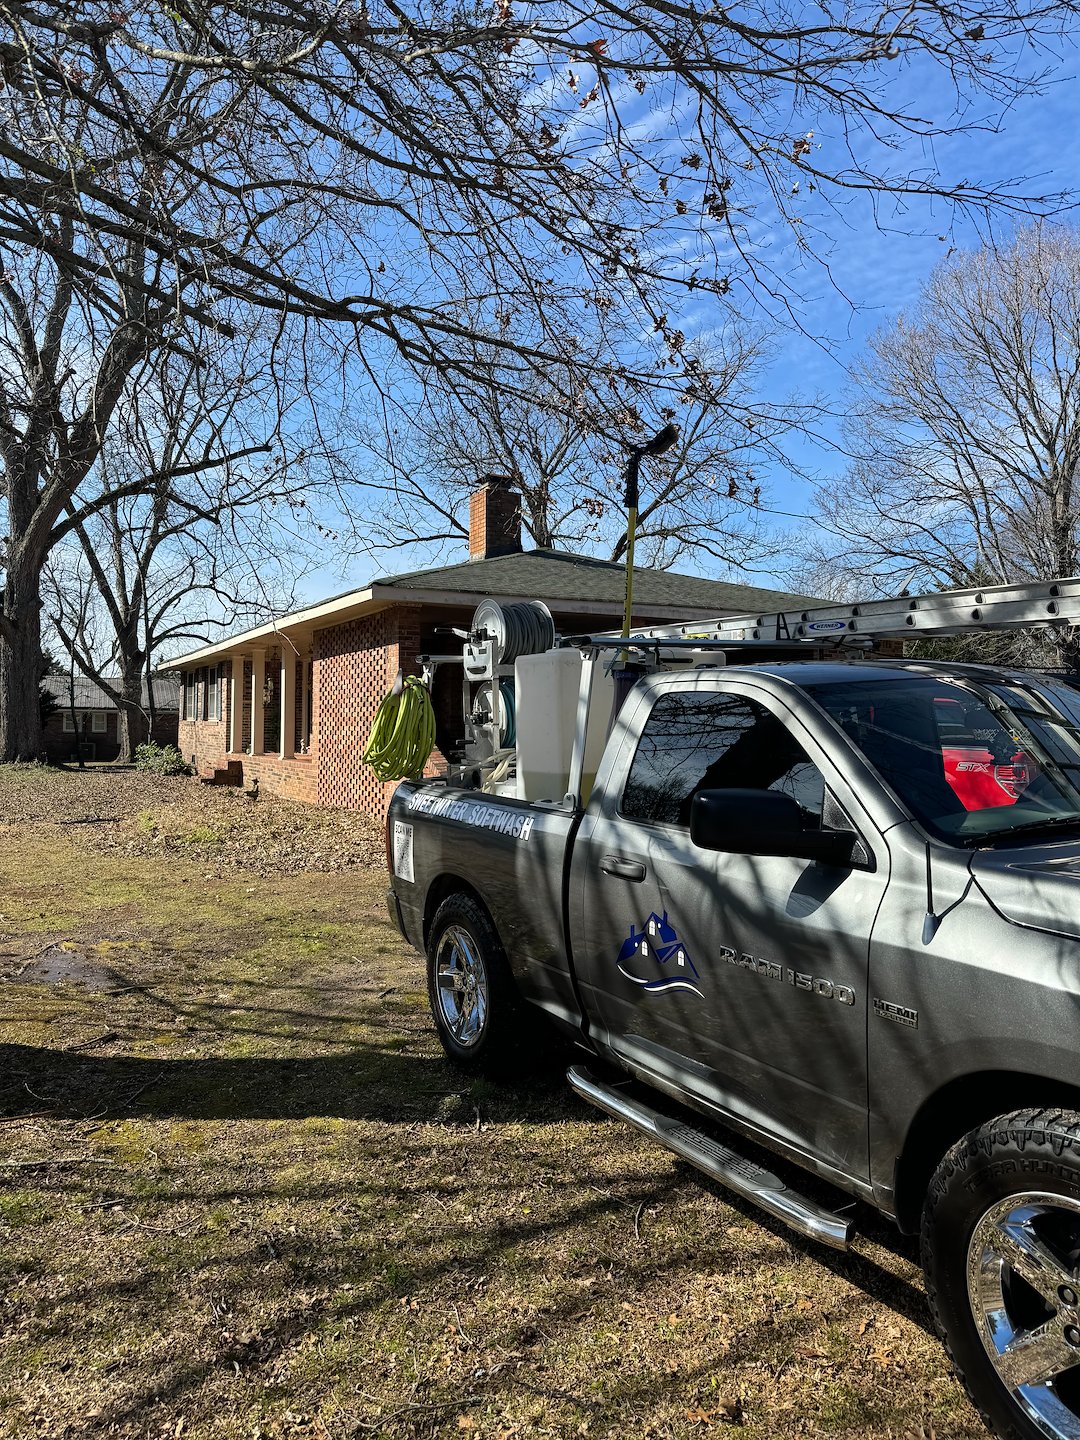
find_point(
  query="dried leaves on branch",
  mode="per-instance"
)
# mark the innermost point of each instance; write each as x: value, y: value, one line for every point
x: 563, y: 444
x: 301, y: 157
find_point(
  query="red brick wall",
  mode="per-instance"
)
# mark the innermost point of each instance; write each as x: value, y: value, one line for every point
x: 208, y: 740
x: 353, y: 666
x: 296, y: 779
x: 494, y: 519
x: 202, y: 743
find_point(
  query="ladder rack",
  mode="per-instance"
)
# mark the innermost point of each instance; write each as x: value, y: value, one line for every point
x: 947, y: 612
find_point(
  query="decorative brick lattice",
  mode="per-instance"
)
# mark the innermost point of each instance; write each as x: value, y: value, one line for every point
x: 355, y: 665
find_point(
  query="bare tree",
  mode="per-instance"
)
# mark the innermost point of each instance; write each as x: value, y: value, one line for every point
x: 223, y: 137
x: 564, y: 443
x: 197, y: 544
x: 966, y: 434
x: 394, y: 174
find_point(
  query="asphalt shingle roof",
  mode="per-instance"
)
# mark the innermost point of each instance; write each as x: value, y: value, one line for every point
x: 90, y: 696
x: 555, y: 575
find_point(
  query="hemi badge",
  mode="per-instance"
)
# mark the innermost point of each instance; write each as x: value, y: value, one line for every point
x: 902, y: 1014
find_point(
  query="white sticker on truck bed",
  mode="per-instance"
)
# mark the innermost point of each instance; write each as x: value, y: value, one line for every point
x: 486, y: 817
x: 403, y: 856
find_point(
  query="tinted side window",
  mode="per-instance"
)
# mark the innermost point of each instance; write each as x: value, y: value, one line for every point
x: 694, y: 741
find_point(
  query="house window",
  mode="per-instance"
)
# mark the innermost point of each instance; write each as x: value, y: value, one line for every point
x: 189, y: 695
x: 100, y: 722
x: 202, y: 707
x: 213, y: 703
x: 69, y: 723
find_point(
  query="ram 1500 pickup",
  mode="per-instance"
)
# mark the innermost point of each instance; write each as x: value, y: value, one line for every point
x: 834, y: 909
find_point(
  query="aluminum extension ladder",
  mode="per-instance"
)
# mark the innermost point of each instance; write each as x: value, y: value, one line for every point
x: 948, y: 612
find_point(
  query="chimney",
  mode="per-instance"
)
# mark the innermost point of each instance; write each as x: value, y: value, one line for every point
x: 494, y: 518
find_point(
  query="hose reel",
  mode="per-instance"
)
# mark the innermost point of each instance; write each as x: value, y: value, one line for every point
x: 523, y: 628
x: 483, y: 711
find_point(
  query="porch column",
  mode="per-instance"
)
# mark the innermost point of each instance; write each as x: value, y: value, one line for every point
x: 305, y: 703
x: 236, y: 705
x: 258, y: 714
x: 287, y: 692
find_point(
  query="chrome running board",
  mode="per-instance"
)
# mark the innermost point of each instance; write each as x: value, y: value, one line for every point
x: 726, y: 1166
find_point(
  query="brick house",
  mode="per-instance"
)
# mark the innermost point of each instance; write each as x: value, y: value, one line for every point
x: 94, y: 727
x: 292, y: 701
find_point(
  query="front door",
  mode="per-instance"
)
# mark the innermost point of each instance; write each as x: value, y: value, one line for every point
x: 740, y: 977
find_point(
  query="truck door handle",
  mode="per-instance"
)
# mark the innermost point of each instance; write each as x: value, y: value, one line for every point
x: 624, y: 869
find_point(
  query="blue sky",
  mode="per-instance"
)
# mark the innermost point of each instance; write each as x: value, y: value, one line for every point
x: 881, y: 271
x: 873, y: 272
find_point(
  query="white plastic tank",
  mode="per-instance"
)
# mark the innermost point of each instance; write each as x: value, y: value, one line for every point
x: 547, y: 687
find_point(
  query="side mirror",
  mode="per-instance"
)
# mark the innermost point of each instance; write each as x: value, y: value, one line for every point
x: 762, y: 822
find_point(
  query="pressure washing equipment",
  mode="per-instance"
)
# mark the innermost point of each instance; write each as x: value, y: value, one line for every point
x: 484, y: 707
x: 512, y: 630
x: 536, y: 719
x: 499, y: 636
x: 498, y: 639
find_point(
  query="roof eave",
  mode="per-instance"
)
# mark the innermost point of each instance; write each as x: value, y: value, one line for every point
x: 314, y: 617
x: 378, y: 597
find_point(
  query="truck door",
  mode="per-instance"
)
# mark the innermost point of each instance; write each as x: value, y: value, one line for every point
x: 741, y: 978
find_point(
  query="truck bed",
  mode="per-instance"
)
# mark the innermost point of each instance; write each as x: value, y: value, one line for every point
x: 502, y: 849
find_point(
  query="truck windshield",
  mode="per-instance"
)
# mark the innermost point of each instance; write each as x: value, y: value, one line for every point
x: 976, y: 763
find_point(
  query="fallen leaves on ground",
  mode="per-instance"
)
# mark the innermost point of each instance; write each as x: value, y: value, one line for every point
x: 138, y: 814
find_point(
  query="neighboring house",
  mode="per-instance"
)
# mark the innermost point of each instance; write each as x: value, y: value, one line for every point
x: 313, y: 709
x: 94, y: 727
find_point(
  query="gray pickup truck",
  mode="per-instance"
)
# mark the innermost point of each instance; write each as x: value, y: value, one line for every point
x: 831, y: 908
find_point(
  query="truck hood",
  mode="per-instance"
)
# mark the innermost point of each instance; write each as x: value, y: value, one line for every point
x: 1037, y: 886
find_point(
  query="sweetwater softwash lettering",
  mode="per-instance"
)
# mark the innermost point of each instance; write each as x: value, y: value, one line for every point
x: 470, y: 812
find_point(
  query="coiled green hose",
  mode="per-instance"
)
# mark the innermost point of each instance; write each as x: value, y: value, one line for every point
x: 403, y: 733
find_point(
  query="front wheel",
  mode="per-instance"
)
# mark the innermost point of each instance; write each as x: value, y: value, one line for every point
x: 481, y: 1020
x: 1001, y: 1252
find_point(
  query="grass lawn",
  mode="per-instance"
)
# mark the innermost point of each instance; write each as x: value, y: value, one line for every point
x: 242, y: 1195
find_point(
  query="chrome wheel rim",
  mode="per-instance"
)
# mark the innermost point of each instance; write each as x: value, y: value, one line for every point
x: 1023, y: 1277
x: 461, y: 985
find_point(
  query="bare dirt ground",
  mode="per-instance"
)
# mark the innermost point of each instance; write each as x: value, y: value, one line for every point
x: 241, y: 1194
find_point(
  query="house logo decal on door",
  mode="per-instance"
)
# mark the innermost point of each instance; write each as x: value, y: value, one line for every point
x: 656, y: 959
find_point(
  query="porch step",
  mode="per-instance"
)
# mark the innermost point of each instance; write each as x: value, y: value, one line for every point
x: 230, y: 774
x: 735, y: 1171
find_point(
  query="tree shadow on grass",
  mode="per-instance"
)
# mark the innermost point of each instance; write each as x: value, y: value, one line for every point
x: 369, y: 1082
x: 366, y: 1082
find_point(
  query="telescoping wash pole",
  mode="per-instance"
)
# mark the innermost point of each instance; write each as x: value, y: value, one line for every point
x: 624, y: 673
x: 658, y: 445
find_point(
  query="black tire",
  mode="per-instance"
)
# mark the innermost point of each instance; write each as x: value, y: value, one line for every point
x: 498, y: 1035
x: 1001, y: 1253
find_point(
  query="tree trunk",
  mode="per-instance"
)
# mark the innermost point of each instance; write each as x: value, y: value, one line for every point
x: 76, y: 732
x: 22, y: 735
x: 133, y: 724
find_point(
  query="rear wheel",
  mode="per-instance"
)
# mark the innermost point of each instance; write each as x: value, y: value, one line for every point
x: 1001, y: 1251
x: 481, y: 1020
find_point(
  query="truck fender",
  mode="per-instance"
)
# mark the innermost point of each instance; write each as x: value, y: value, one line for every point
x: 959, y: 1106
